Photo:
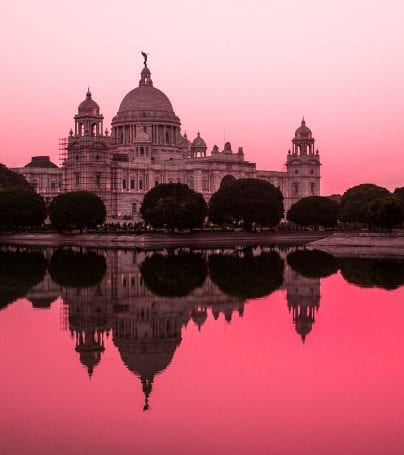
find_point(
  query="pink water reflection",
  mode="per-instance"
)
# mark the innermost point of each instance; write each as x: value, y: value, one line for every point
x: 249, y: 387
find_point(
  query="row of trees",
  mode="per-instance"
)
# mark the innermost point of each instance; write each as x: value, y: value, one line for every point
x: 245, y: 202
x: 23, y: 208
x: 255, y: 202
x: 241, y: 274
x: 365, y: 204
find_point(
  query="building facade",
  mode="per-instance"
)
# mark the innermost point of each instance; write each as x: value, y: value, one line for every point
x: 146, y: 147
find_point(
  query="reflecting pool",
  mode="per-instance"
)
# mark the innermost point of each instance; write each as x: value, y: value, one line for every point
x: 227, y: 351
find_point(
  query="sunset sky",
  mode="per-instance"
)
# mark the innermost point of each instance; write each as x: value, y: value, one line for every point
x: 240, y: 71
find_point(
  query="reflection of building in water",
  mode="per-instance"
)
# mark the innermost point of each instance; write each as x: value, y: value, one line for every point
x: 146, y: 328
x: 90, y: 314
x: 303, y: 295
x: 44, y: 293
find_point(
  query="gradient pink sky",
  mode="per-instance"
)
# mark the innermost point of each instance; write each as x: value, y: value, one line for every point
x: 243, y: 71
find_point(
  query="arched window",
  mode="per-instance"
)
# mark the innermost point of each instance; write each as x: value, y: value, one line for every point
x: 141, y: 151
x: 94, y: 129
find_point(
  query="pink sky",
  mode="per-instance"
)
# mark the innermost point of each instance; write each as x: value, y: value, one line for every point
x: 243, y: 71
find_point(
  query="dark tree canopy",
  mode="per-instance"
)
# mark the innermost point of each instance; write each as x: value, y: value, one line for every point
x: 399, y: 192
x: 386, y: 212
x: 71, y: 268
x: 19, y: 272
x: 246, y: 276
x: 367, y: 272
x: 21, y: 208
x: 313, y: 263
x: 247, y: 201
x: 356, y: 201
x: 76, y: 210
x: 314, y: 211
x: 173, y: 205
x: 174, y: 275
x: 11, y: 180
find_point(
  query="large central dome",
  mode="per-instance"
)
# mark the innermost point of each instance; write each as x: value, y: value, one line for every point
x: 146, y: 98
x: 145, y: 102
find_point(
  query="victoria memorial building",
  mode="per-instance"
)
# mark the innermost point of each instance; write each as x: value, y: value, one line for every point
x: 145, y: 147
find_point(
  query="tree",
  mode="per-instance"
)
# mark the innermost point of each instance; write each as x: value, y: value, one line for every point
x: 356, y: 201
x: 368, y: 272
x: 11, y: 180
x: 174, y: 275
x: 314, y: 211
x: 313, y: 263
x: 71, y: 268
x: 399, y: 193
x: 19, y: 272
x: 173, y: 205
x: 247, y: 201
x: 76, y: 210
x: 386, y: 212
x: 246, y: 276
x: 21, y: 208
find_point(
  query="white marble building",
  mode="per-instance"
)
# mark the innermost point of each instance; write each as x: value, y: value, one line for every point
x: 146, y: 147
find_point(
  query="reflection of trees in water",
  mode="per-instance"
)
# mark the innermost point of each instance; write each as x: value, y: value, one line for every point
x: 19, y: 272
x: 246, y: 276
x: 174, y: 275
x: 313, y: 263
x: 367, y: 272
x: 71, y: 268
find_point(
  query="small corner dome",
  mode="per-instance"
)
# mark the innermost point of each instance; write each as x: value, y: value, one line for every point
x: 303, y: 132
x: 88, y: 106
x: 198, y: 141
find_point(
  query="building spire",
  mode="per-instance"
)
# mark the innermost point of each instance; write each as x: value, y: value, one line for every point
x: 145, y: 76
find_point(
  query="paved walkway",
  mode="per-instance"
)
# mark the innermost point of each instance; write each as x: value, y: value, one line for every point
x: 159, y: 241
x: 367, y: 244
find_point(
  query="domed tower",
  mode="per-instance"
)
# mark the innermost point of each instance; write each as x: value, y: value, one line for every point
x: 303, y: 167
x: 86, y: 158
x: 303, y: 296
x: 198, y: 147
x: 88, y: 120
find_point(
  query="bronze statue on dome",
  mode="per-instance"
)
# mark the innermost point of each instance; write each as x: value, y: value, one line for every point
x: 145, y: 58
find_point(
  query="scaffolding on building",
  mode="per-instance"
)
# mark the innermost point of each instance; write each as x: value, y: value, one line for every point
x: 86, y: 165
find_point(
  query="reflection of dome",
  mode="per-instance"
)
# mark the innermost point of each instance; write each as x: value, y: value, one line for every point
x: 90, y: 345
x: 198, y: 141
x: 303, y: 328
x: 88, y: 106
x: 90, y: 358
x: 42, y: 302
x: 303, y: 132
x: 146, y: 359
x: 199, y: 316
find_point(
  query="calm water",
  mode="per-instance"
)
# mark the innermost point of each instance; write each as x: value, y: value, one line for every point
x: 217, y: 352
